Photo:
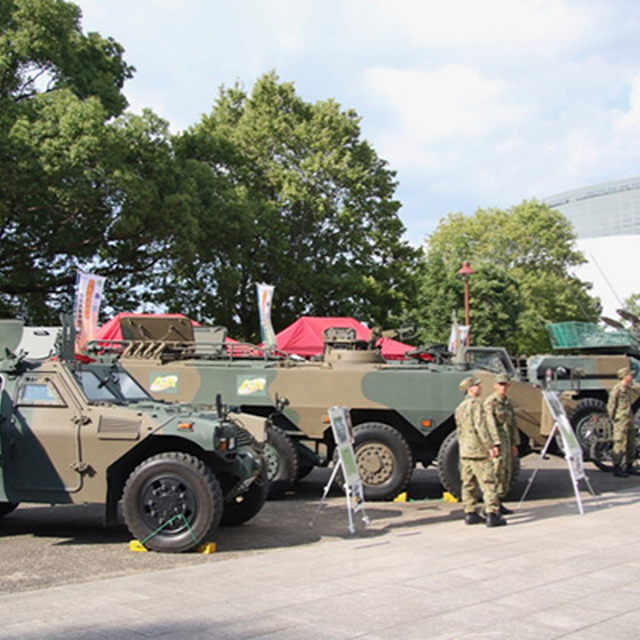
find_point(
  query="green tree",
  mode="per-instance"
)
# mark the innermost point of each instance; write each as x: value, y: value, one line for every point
x: 290, y: 194
x: 58, y: 88
x: 632, y: 304
x: 523, y: 257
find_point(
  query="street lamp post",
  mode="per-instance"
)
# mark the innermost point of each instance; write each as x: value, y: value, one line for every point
x: 465, y: 271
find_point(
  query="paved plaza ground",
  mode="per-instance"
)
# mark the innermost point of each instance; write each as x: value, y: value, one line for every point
x: 415, y: 572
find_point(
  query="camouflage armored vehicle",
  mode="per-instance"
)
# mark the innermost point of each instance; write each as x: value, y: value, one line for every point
x: 78, y: 433
x: 584, y: 365
x: 402, y: 411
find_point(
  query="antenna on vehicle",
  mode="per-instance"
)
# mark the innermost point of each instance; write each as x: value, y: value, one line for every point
x: 595, y: 262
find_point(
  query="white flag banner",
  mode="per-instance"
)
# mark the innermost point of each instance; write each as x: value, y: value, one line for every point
x: 88, y: 295
x: 265, y: 296
x: 457, y: 337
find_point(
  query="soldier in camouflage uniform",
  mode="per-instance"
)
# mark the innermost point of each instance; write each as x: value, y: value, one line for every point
x: 502, y: 419
x: 477, y: 448
x: 621, y: 414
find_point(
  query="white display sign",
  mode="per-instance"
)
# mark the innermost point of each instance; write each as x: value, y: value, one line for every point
x: 343, y: 437
x: 570, y: 446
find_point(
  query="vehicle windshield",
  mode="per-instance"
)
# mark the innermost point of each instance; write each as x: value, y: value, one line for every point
x: 494, y: 361
x: 110, y: 385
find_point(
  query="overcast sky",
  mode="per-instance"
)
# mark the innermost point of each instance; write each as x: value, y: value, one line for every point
x: 473, y: 104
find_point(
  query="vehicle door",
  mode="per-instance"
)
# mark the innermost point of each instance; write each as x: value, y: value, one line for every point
x: 44, y: 439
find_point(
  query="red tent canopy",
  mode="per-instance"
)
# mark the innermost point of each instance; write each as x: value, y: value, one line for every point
x: 304, y: 337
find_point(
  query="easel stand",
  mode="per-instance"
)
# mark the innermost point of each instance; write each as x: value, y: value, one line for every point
x: 574, y: 460
x: 351, y: 498
x: 343, y: 435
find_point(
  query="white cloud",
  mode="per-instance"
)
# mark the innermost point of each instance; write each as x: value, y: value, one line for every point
x: 627, y: 122
x: 474, y: 104
x: 492, y: 23
x: 438, y: 109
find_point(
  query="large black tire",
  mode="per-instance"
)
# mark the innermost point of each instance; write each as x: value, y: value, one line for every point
x: 281, y: 460
x: 601, y: 454
x: 7, y: 507
x: 384, y: 460
x: 243, y: 507
x: 449, y: 466
x: 169, y: 485
x: 587, y: 422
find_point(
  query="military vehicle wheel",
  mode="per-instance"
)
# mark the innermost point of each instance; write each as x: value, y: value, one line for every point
x: 587, y: 422
x: 242, y: 508
x: 602, y: 455
x: 281, y: 459
x: 171, y: 501
x: 304, y: 469
x: 384, y: 460
x: 7, y: 507
x: 449, y: 466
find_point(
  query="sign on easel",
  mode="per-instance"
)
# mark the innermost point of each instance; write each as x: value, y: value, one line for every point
x: 570, y: 447
x: 343, y: 436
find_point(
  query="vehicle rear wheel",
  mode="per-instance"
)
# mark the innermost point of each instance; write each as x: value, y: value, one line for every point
x: 171, y: 501
x: 7, y: 507
x: 449, y: 466
x: 587, y: 422
x: 602, y: 455
x: 243, y: 507
x: 384, y: 460
x: 281, y: 460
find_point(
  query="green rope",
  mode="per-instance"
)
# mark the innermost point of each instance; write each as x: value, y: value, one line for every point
x: 167, y: 523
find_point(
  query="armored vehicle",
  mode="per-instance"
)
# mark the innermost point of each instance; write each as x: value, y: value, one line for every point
x: 584, y: 365
x: 75, y: 432
x: 402, y: 411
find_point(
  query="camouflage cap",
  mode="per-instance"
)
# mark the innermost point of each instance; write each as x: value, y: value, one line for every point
x: 625, y: 371
x: 502, y: 378
x: 469, y: 382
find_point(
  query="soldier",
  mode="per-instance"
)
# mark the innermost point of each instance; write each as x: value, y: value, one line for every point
x: 501, y: 419
x: 621, y: 414
x: 477, y: 448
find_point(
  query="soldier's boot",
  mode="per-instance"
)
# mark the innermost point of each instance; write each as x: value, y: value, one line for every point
x: 620, y: 472
x: 504, y: 510
x: 473, y: 518
x: 495, y: 520
x: 632, y: 471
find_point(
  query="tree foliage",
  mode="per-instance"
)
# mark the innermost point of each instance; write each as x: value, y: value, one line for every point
x: 58, y: 88
x: 265, y: 188
x: 632, y: 304
x: 522, y: 257
x: 290, y: 194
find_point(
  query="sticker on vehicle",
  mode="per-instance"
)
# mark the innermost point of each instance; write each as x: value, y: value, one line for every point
x: 252, y: 386
x: 162, y: 383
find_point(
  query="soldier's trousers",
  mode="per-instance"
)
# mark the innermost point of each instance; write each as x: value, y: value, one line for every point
x: 624, y: 442
x: 478, y: 475
x: 502, y: 468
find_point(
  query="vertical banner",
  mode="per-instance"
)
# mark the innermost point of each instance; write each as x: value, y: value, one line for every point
x: 88, y: 295
x: 458, y: 335
x: 265, y: 296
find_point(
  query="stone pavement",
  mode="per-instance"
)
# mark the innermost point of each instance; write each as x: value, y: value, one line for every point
x: 551, y: 573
